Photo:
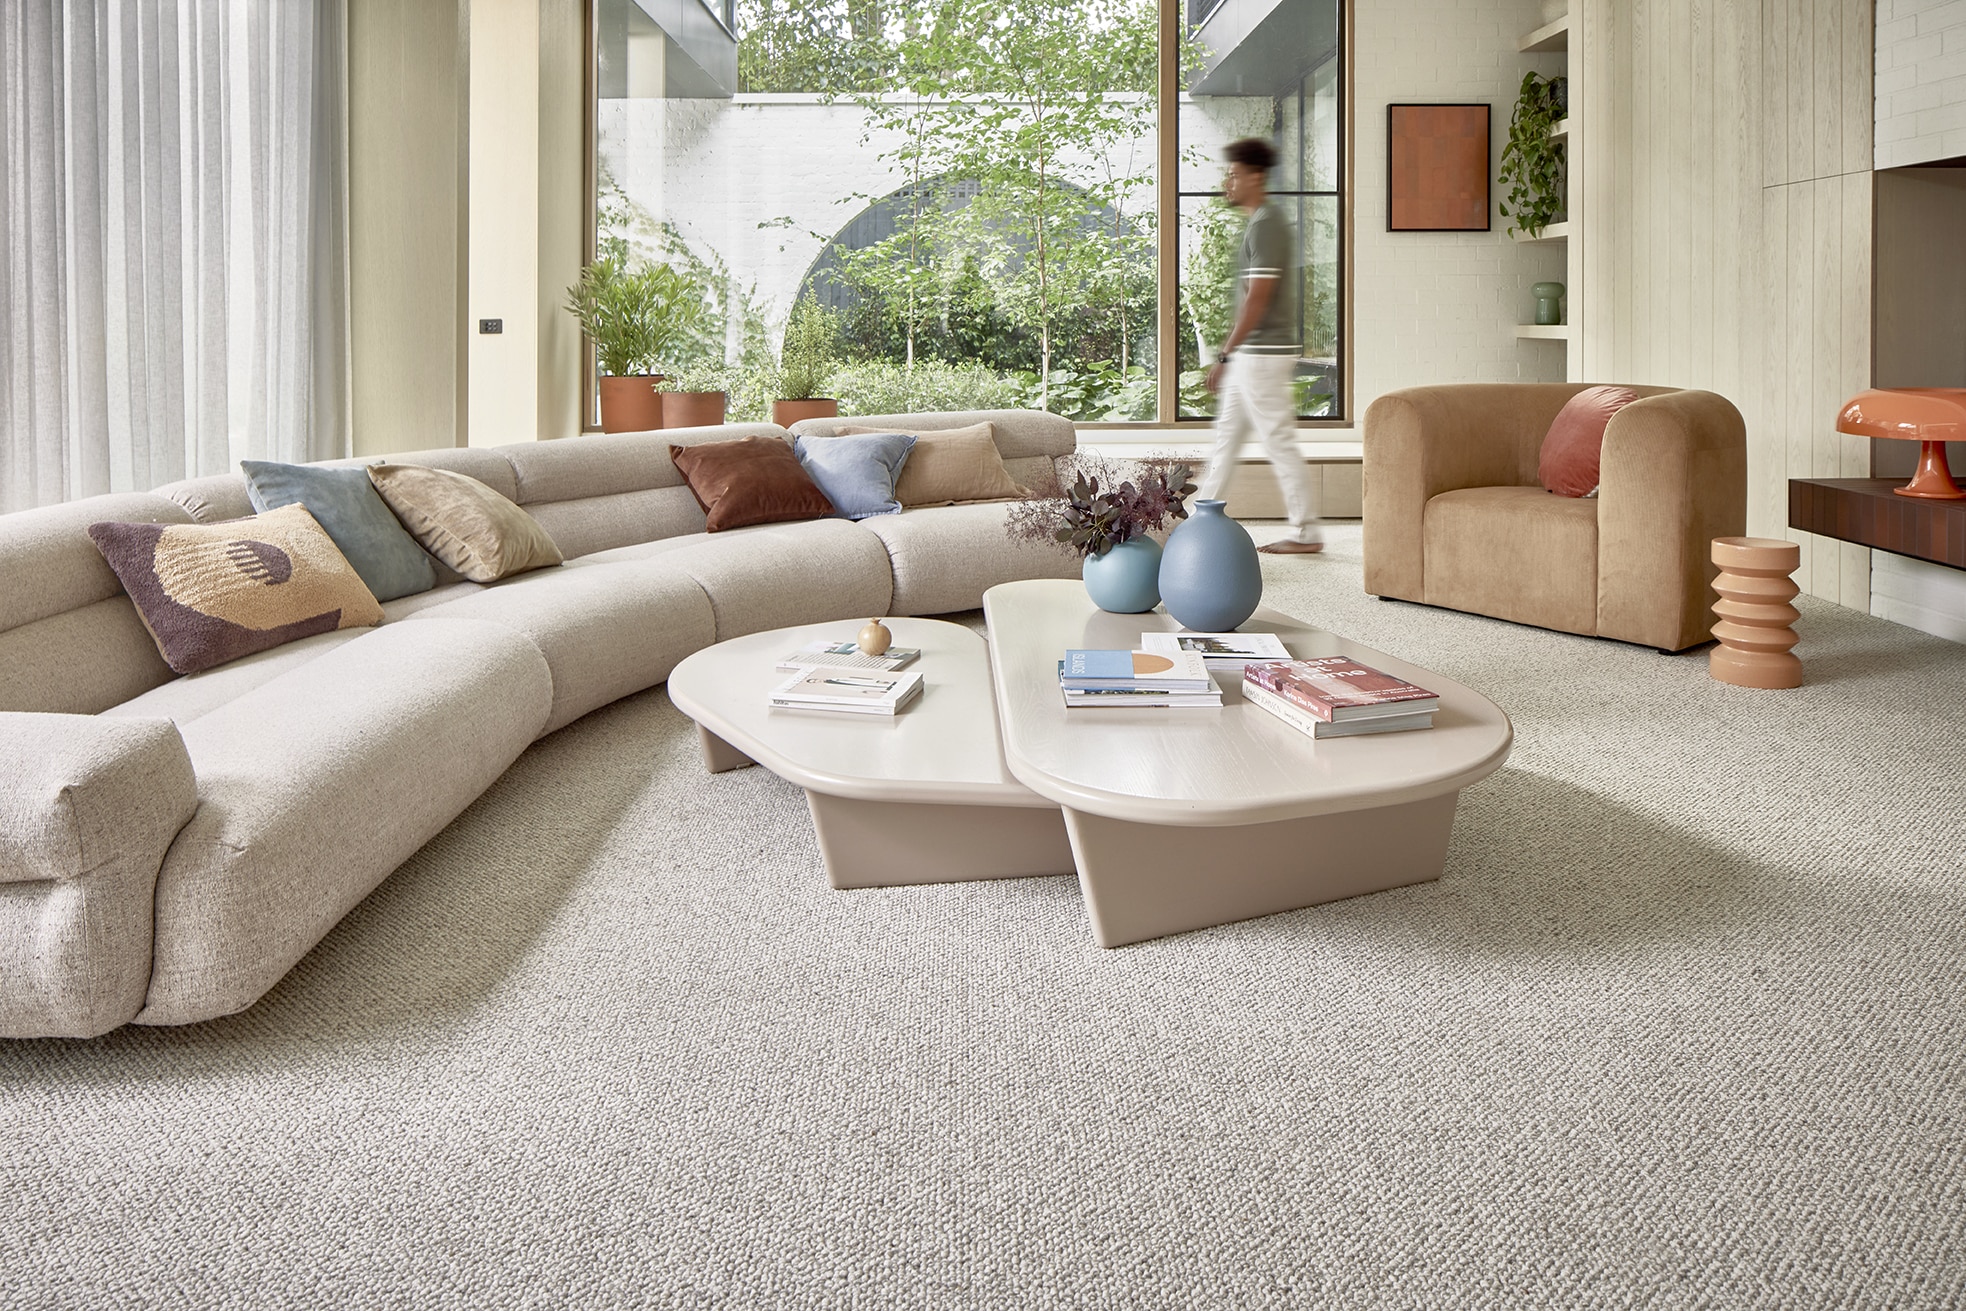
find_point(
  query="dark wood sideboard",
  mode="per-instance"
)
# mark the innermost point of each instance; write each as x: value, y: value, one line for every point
x: 1868, y: 512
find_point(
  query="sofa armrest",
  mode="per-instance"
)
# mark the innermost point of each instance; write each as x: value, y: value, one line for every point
x: 1672, y: 477
x: 1423, y: 441
x: 88, y: 807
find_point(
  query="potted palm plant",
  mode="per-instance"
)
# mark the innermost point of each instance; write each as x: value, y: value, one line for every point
x: 636, y: 319
x: 805, y: 364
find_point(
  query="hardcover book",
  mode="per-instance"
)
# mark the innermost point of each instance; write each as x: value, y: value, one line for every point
x: 841, y: 689
x: 1304, y: 722
x: 846, y: 655
x: 1121, y: 669
x: 1218, y: 650
x: 1338, y: 688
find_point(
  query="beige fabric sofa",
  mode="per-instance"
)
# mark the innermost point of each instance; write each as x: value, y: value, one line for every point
x: 1455, y: 515
x: 170, y: 847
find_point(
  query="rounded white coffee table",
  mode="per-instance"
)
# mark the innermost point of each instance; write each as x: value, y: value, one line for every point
x: 1185, y: 818
x: 919, y: 797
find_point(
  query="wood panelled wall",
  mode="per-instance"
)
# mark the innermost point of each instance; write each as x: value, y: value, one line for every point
x: 1724, y: 228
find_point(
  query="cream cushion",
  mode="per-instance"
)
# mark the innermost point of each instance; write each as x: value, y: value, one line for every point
x: 464, y: 523
x: 948, y: 467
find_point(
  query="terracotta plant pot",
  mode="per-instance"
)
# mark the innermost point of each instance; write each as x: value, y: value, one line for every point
x: 631, y: 404
x: 787, y: 413
x: 692, y: 409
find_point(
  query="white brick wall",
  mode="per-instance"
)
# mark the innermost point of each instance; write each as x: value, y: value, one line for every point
x: 1432, y: 307
x: 1921, y: 81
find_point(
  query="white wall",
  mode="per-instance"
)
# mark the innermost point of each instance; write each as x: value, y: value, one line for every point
x: 1921, y: 81
x: 1432, y: 307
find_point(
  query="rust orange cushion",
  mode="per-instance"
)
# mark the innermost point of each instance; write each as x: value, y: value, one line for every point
x: 751, y: 480
x: 1575, y: 441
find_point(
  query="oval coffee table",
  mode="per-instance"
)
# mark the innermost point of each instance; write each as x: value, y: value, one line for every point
x: 917, y: 797
x: 1185, y: 818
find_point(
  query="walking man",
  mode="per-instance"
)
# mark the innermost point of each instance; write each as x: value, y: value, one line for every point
x: 1258, y: 363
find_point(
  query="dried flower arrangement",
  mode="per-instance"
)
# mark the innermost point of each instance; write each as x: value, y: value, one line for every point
x: 1086, y: 521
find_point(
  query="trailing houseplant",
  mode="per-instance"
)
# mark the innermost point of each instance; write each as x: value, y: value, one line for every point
x: 806, y: 364
x: 637, y: 318
x: 1110, y: 530
x: 1532, y: 161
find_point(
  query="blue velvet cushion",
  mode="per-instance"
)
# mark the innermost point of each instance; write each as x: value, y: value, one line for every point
x: 344, y: 502
x: 857, y: 473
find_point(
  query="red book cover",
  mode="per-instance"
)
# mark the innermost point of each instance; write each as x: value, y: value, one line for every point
x: 1337, y: 687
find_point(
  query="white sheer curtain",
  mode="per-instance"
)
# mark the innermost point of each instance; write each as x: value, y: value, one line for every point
x: 173, y: 249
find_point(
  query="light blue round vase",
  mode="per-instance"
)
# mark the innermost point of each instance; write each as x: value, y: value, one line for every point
x: 1125, y: 579
x: 1210, y: 577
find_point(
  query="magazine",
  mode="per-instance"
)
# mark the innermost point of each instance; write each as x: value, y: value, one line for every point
x: 1218, y: 650
x: 1338, y: 688
x: 1179, y: 670
x: 846, y: 690
x: 846, y: 655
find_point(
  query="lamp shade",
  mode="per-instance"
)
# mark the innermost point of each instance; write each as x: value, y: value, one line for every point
x: 1931, y: 416
x: 1918, y: 414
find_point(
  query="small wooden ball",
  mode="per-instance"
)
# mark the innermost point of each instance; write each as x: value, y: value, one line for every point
x: 875, y: 638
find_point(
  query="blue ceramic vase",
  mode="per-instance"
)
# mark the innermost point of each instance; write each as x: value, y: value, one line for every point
x: 1125, y: 579
x: 1210, y: 577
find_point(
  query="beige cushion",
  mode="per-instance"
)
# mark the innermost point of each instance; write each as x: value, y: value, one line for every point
x: 464, y: 523
x: 313, y: 787
x: 606, y: 632
x: 88, y: 808
x: 1516, y: 553
x: 945, y: 559
x: 948, y: 467
x: 210, y: 593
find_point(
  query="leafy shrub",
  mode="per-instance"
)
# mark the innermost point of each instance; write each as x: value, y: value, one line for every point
x: 881, y: 387
x: 812, y: 345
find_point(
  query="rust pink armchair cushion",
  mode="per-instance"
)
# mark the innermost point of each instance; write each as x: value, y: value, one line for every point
x: 1574, y: 444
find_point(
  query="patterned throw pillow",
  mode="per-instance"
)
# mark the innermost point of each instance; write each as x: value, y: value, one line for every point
x: 345, y: 504
x: 464, y: 523
x: 210, y: 593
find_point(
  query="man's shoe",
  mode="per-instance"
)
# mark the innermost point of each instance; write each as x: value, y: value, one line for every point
x: 1292, y: 548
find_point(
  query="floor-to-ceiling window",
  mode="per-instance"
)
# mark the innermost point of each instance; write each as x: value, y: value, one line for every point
x: 966, y: 193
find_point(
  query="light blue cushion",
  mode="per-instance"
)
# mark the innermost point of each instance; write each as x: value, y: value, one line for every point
x: 857, y: 473
x: 344, y: 502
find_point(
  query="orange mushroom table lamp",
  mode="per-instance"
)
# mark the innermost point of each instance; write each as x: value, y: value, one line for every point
x: 1931, y: 416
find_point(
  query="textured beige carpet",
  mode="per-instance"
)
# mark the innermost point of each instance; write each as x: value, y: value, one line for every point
x: 1682, y: 1026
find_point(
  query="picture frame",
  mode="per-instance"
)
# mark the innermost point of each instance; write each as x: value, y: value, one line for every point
x: 1437, y: 168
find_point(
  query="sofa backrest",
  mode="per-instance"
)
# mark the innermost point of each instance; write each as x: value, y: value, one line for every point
x: 70, y: 640
x: 1030, y: 441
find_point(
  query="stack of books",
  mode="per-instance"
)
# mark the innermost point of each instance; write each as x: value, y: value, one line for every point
x: 847, y: 691
x: 1336, y: 696
x: 1136, y: 678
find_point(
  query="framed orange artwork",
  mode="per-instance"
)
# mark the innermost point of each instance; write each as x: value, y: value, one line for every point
x: 1437, y: 168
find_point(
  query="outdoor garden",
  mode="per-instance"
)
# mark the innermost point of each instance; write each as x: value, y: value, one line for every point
x: 1009, y: 259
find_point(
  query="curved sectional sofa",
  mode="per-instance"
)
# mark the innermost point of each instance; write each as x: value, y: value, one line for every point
x: 171, y: 846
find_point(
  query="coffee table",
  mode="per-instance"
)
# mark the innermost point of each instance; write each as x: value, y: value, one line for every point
x: 1184, y: 818
x: 919, y: 797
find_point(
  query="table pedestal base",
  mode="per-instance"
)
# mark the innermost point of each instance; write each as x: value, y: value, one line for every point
x: 891, y: 844
x: 1148, y: 880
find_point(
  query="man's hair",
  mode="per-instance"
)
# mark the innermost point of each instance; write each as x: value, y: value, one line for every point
x: 1251, y: 152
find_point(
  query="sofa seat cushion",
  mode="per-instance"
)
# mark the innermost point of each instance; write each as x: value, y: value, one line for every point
x: 773, y: 576
x: 193, y: 696
x: 405, y: 606
x: 945, y: 559
x: 1515, y: 553
x: 606, y: 632
x: 314, y: 786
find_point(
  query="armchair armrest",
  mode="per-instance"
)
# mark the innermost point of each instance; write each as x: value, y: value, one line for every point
x: 1423, y: 441
x: 1672, y: 477
x: 88, y: 807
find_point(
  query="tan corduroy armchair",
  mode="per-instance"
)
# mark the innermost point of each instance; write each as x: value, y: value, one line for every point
x: 1455, y: 516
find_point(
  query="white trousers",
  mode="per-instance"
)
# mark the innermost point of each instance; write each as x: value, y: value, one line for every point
x: 1256, y: 393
